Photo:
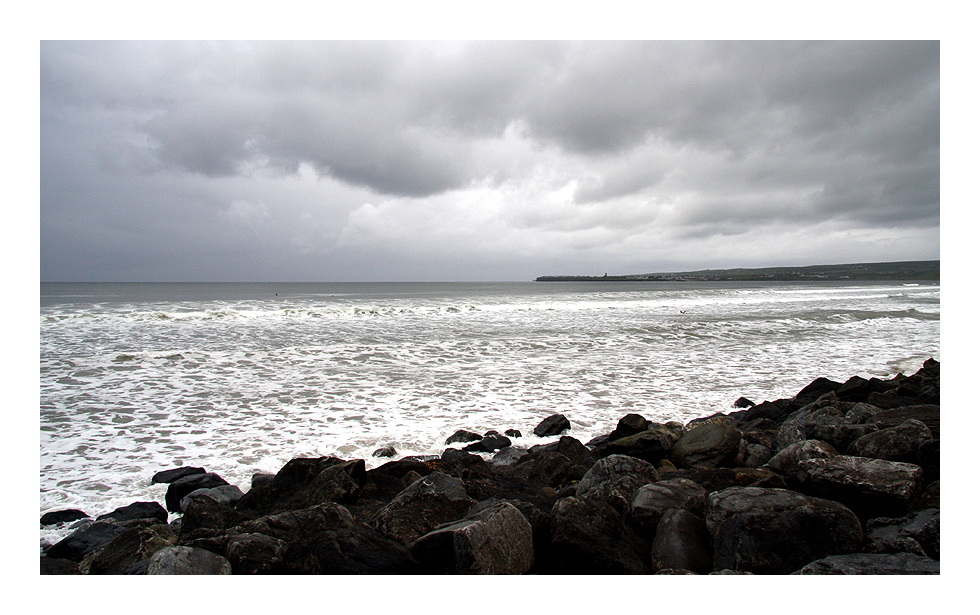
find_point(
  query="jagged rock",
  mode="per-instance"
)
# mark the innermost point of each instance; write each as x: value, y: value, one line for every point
x: 361, y: 550
x: 542, y: 469
x: 869, y: 487
x: 776, y: 531
x: 290, y: 489
x: 921, y: 528
x: 757, y: 455
x: 462, y: 464
x: 187, y: 560
x: 126, y: 549
x: 337, y: 483
x: 56, y: 517
x: 652, y: 501
x: 577, y: 453
x: 463, y: 435
x: 427, y: 503
x: 493, y: 540
x: 682, y: 542
x: 552, y: 426
x: 182, y: 486
x: 710, y: 445
x: 652, y: 444
x: 224, y: 494
x: 385, y: 451
x: 927, y: 413
x: 787, y: 461
x: 589, y: 537
x: 298, y: 526
x: 743, y: 402
x: 839, y: 435
x: 81, y: 542
x: 255, y: 554
x: 207, y: 513
x: 169, y: 476
x: 137, y: 510
x: 629, y: 425
x: 816, y: 389
x: 260, y: 478
x: 872, y: 563
x: 898, y: 443
x: 614, y: 479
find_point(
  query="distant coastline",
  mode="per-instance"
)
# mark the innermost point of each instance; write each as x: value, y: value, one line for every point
x: 904, y: 270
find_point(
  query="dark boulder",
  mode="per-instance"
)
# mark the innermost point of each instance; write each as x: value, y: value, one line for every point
x: 255, y: 554
x: 817, y: 388
x: 916, y: 532
x: 652, y: 444
x: 169, y: 476
x: 338, y: 483
x: 260, y: 478
x: 182, y: 486
x: 629, y: 425
x: 137, y: 510
x: 682, y: 542
x: 776, y: 531
x: 290, y: 489
x: 51, y: 565
x: 589, y: 537
x: 743, y: 402
x: 385, y: 451
x: 82, y: 541
x: 927, y: 413
x: 577, y: 453
x: 427, y: 503
x: 56, y: 517
x: 869, y: 487
x: 492, y: 540
x: 361, y: 550
x: 787, y: 461
x: 898, y: 443
x: 872, y: 563
x: 927, y: 458
x: 222, y: 494
x: 508, y: 456
x: 209, y: 514
x: 652, y: 501
x: 614, y: 480
x: 552, y: 426
x: 187, y: 560
x: 709, y: 445
x: 488, y: 444
x: 463, y: 435
x: 463, y: 464
x: 512, y: 433
x: 716, y: 479
x: 542, y: 469
x: 126, y: 549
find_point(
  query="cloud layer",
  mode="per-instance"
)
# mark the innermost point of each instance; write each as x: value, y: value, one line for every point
x: 484, y: 160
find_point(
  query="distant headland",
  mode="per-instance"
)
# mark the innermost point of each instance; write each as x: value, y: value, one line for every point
x: 905, y: 270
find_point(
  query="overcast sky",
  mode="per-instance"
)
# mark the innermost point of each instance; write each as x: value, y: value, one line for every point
x: 371, y: 161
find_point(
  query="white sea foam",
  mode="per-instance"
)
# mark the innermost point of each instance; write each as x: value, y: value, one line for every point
x: 242, y: 386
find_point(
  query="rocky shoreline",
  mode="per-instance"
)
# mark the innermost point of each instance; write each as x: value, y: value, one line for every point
x: 843, y: 478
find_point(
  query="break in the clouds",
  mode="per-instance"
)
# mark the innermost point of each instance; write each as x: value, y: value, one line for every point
x: 482, y: 160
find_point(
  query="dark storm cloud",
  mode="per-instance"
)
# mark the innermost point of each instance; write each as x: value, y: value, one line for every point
x: 485, y: 148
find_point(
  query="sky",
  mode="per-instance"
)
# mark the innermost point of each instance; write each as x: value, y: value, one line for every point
x: 482, y: 161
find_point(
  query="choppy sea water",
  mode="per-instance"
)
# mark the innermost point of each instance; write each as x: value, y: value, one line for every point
x: 241, y: 378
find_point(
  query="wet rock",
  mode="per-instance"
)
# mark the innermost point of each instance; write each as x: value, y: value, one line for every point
x: 137, y: 510
x: 187, y: 560
x: 552, y: 426
x: 338, y: 483
x: 898, y: 443
x: 893, y: 535
x: 544, y: 469
x: 652, y: 501
x: 427, y: 503
x: 512, y: 433
x: 361, y: 550
x: 255, y: 554
x: 290, y: 489
x: 463, y: 435
x: 169, y: 476
x: 577, y: 453
x: 787, y: 461
x: 489, y: 443
x: 710, y: 445
x: 51, y: 565
x: 224, y: 494
x: 126, y: 549
x: 56, y: 517
x: 682, y: 542
x: 493, y: 540
x: 182, y: 486
x: 508, y: 456
x: 209, y: 514
x: 629, y: 425
x: 385, y: 451
x: 614, y: 480
x: 776, y: 531
x: 652, y: 444
x: 869, y: 487
x: 872, y: 563
x: 81, y: 542
x: 589, y: 537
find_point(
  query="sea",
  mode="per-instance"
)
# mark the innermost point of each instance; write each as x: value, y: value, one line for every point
x: 241, y: 378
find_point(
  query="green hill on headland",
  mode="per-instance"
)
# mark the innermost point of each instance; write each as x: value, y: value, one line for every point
x: 906, y: 270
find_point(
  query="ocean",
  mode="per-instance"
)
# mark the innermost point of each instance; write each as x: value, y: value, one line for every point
x: 241, y: 378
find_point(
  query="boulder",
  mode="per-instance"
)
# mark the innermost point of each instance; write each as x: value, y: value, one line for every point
x: 361, y: 550
x: 427, y: 503
x: 223, y: 494
x: 492, y: 540
x: 869, y: 487
x: 743, y: 402
x: 917, y: 532
x: 716, y: 479
x: 187, y: 560
x: 629, y: 425
x: 290, y: 489
x: 182, y: 486
x: 589, y: 537
x: 463, y: 464
x: 577, y: 453
x: 260, y: 478
x: 51, y: 565
x: 137, y: 510
x: 552, y: 426
x: 209, y: 514
x: 898, y: 443
x: 56, y: 517
x: 127, y: 549
x: 682, y: 542
x: 872, y: 563
x: 652, y: 501
x: 489, y: 443
x: 816, y: 389
x: 508, y: 456
x: 544, y: 469
x: 463, y: 435
x: 385, y: 451
x: 82, y: 541
x: 709, y: 445
x: 787, y: 461
x: 338, y: 483
x: 614, y: 480
x: 776, y: 531
x: 255, y: 554
x: 512, y: 433
x: 169, y: 476
x: 652, y: 444
x: 297, y: 527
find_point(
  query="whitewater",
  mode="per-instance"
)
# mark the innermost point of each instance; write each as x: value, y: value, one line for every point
x: 241, y: 378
